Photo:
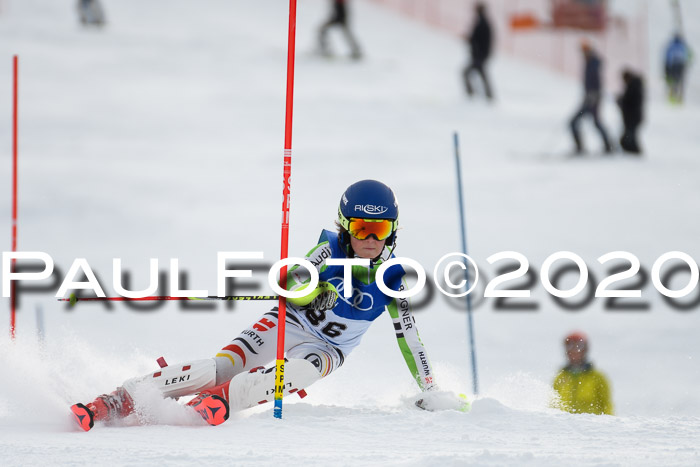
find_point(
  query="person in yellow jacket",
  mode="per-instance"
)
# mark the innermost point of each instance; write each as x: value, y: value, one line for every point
x: 582, y: 388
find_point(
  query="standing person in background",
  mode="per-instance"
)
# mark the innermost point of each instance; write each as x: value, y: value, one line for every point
x: 479, y: 41
x: 91, y: 13
x: 581, y: 388
x: 593, y: 91
x: 677, y: 58
x: 631, y: 103
x: 339, y: 18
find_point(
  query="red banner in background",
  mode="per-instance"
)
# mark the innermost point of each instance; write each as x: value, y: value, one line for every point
x: 526, y: 29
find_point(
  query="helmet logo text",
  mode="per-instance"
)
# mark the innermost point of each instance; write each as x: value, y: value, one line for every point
x: 371, y: 208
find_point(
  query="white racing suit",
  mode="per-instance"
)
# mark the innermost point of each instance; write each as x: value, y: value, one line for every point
x: 323, y: 332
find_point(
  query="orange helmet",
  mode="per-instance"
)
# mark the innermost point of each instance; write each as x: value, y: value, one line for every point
x: 586, y: 45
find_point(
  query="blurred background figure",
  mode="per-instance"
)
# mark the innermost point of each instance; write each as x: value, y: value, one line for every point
x: 593, y: 90
x: 91, y: 13
x: 339, y: 18
x: 582, y: 388
x: 479, y: 41
x: 676, y: 60
x: 631, y: 103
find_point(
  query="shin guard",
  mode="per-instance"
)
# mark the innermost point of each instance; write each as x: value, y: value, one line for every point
x: 181, y: 379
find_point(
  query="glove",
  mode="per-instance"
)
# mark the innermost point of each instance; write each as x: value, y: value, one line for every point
x: 322, y: 298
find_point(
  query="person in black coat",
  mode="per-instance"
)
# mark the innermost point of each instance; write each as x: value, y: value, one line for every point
x: 593, y: 90
x: 480, y: 44
x: 338, y: 18
x: 631, y: 103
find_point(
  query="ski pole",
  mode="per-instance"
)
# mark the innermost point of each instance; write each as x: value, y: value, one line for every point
x: 73, y: 298
x: 470, y: 322
x: 677, y: 16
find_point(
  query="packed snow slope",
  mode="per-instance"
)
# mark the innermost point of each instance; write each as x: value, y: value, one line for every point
x: 161, y: 136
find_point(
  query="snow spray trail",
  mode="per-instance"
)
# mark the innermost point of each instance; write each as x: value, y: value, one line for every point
x: 40, y: 382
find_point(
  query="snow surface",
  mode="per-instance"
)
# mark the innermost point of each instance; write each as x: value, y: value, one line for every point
x: 161, y: 136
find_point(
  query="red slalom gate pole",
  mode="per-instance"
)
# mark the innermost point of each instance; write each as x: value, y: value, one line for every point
x: 13, y: 290
x: 286, y: 193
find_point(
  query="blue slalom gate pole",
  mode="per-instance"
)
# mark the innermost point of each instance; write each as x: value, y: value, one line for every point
x: 470, y: 322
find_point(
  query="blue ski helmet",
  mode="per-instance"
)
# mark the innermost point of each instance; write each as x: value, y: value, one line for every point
x: 369, y: 199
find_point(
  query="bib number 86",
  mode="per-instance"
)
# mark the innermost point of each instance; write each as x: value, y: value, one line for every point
x: 332, y: 329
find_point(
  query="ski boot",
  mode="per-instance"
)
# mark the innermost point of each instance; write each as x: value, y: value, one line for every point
x: 212, y: 405
x: 106, y: 407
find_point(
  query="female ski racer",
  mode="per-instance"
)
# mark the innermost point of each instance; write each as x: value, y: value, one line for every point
x: 321, y: 328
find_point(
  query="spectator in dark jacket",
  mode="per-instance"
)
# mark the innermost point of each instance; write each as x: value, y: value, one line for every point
x: 593, y: 90
x: 480, y: 44
x: 631, y: 103
x: 338, y: 18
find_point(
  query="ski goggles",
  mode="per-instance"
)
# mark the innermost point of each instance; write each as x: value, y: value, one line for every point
x: 361, y: 229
